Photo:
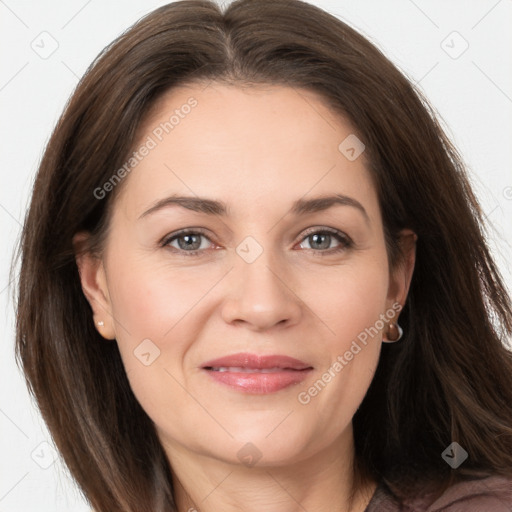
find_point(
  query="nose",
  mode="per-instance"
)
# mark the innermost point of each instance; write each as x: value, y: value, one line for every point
x: 261, y: 296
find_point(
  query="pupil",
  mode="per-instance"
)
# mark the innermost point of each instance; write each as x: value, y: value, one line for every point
x: 189, y: 240
x: 316, y: 239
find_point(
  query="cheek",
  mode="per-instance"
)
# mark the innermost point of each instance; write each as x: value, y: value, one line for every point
x: 350, y: 310
x: 350, y: 301
x: 150, y: 298
x: 160, y: 311
x: 153, y: 307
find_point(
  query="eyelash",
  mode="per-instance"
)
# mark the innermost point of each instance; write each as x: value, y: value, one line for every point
x: 346, y: 242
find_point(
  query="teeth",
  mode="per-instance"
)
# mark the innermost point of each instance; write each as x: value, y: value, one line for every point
x: 247, y: 370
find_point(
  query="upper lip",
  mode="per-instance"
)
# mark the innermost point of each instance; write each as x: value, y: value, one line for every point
x: 255, y: 361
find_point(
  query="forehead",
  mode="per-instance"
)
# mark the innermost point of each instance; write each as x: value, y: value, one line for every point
x: 259, y: 116
x: 263, y: 144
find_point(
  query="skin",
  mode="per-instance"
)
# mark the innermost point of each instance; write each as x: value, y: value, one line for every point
x: 258, y: 150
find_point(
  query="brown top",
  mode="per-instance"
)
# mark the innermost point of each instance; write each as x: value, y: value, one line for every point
x: 490, y: 494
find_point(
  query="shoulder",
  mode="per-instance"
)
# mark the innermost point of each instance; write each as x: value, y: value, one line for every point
x: 489, y: 494
x: 493, y: 494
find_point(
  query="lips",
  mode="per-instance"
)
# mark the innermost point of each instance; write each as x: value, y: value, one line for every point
x: 258, y: 374
x: 256, y: 362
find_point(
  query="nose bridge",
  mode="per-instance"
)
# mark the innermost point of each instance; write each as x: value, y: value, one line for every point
x: 261, y: 291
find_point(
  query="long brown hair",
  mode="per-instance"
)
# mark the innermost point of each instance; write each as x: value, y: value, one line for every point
x: 449, y: 379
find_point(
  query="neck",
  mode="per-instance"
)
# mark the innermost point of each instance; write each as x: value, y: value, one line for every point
x: 321, y: 483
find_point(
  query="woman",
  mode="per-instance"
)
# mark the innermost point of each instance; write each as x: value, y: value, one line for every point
x: 190, y: 345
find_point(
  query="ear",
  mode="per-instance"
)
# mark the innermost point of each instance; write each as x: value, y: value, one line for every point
x: 94, y: 285
x: 401, y: 275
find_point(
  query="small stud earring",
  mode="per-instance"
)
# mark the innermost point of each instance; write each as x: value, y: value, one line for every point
x: 393, y: 334
x: 100, y: 323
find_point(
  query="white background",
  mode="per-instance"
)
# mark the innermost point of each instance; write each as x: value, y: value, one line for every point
x: 472, y: 93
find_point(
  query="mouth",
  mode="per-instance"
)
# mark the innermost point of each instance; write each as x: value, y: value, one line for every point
x: 240, y: 369
x: 257, y: 374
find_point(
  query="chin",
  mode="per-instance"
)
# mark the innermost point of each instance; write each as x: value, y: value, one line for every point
x: 266, y: 444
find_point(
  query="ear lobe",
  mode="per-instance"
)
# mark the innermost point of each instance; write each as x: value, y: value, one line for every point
x: 401, y: 276
x: 94, y: 285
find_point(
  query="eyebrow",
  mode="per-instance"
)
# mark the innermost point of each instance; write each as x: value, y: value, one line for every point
x: 213, y: 207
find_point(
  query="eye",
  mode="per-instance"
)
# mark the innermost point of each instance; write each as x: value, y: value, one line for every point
x: 190, y: 242
x: 320, y: 241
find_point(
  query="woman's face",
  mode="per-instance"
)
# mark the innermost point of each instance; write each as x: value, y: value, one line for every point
x: 263, y: 267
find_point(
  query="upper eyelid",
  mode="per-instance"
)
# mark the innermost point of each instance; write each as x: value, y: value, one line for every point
x: 316, y: 229
x: 185, y: 231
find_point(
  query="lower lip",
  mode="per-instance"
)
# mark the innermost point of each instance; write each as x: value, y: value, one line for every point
x: 260, y: 383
